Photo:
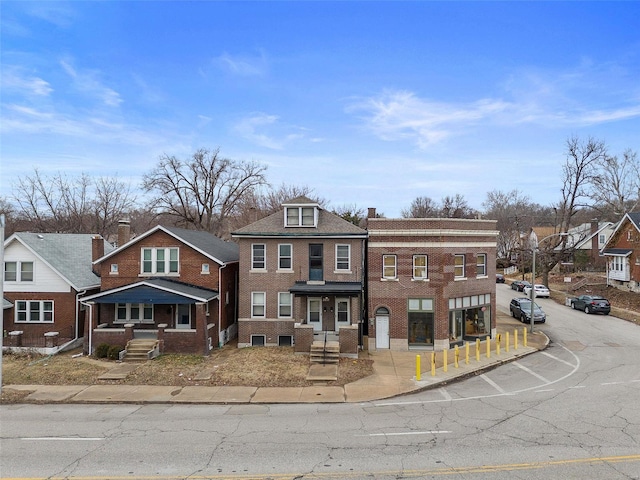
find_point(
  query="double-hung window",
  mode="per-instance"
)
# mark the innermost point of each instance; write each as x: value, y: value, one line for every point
x: 258, y: 309
x: 481, y: 265
x: 258, y: 256
x: 284, y: 305
x: 285, y: 256
x: 18, y: 271
x: 134, y: 312
x: 343, y: 258
x: 459, y: 266
x: 160, y: 261
x: 420, y: 267
x: 37, y: 311
x: 389, y: 270
x: 300, y: 216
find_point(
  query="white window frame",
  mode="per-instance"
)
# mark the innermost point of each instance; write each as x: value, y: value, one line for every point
x: 459, y: 269
x: 385, y: 267
x: 283, y: 257
x: 301, y: 216
x: 425, y: 275
x: 343, y: 263
x: 167, y: 262
x: 141, y: 308
x: 206, y: 270
x: 27, y: 311
x: 20, y: 271
x: 114, y: 268
x: 481, y: 265
x: 255, y: 259
x: 256, y: 304
x: 347, y: 322
x: 282, y: 304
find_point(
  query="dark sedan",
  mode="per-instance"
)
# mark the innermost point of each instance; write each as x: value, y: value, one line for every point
x: 499, y: 278
x: 591, y: 304
x: 519, y: 285
x: 521, y: 308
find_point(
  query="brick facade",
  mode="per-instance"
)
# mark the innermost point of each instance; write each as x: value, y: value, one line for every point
x: 440, y: 240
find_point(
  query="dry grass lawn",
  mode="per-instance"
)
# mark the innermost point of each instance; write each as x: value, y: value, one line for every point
x: 258, y: 367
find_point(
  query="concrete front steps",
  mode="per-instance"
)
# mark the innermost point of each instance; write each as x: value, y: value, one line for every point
x: 325, y: 352
x: 141, y: 350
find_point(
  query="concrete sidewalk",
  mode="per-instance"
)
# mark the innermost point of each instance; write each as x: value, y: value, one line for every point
x: 394, y: 374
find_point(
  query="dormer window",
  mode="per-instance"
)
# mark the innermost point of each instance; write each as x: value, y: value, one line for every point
x: 300, y: 216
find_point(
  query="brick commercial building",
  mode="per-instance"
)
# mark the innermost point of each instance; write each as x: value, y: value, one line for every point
x: 430, y: 281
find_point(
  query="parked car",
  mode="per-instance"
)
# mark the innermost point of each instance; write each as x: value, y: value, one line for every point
x: 591, y: 304
x: 541, y: 291
x: 519, y: 285
x: 499, y: 278
x: 521, y: 308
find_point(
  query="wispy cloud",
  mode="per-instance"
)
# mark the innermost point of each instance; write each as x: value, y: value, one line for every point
x: 60, y: 14
x: 243, y: 65
x: 16, y: 80
x: 267, y: 131
x: 397, y: 115
x: 89, y: 83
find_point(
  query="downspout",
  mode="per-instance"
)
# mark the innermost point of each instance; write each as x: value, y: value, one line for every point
x: 90, y: 305
x: 78, y: 295
x: 220, y: 303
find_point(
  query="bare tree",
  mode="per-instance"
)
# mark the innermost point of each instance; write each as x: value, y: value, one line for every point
x: 513, y: 212
x: 421, y: 207
x: 351, y: 213
x: 615, y: 188
x: 456, y: 207
x: 72, y: 205
x: 204, y: 191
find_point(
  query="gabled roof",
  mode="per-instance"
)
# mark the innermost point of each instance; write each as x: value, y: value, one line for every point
x: 329, y: 225
x: 582, y: 234
x: 154, y: 291
x: 633, y: 218
x: 207, y: 244
x: 68, y: 254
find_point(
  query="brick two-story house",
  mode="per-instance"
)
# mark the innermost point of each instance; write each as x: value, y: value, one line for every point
x: 431, y: 281
x: 622, y: 252
x: 301, y: 274
x: 175, y: 285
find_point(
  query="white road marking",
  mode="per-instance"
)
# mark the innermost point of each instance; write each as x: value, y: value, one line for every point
x: 492, y: 383
x: 558, y: 359
x: 445, y: 394
x: 531, y: 372
x: 73, y: 439
x: 428, y: 432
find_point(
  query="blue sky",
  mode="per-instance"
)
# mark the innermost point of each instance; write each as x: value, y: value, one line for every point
x: 367, y: 103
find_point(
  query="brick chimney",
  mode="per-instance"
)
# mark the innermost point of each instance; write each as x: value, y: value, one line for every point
x: 97, y: 251
x: 124, y: 231
x: 371, y: 212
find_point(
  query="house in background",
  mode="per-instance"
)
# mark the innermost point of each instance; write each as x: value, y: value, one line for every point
x: 301, y: 278
x: 45, y: 274
x: 622, y: 252
x: 171, y: 286
x: 431, y: 281
x: 587, y: 241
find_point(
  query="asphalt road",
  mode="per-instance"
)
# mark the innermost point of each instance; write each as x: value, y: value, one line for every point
x: 568, y: 412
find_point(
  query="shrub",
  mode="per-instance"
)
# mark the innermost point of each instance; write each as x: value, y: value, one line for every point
x: 102, y: 350
x: 114, y: 352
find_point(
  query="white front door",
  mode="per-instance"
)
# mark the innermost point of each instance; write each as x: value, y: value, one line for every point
x: 183, y: 316
x: 314, y: 313
x: 343, y: 313
x: 382, y: 331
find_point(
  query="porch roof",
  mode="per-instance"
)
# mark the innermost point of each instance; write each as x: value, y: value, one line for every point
x: 328, y: 288
x: 617, y: 252
x: 155, y: 291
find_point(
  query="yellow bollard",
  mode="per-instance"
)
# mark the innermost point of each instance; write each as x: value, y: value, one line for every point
x: 466, y: 353
x: 418, y: 368
x: 456, y: 355
x: 498, y: 341
x: 515, y: 339
x: 524, y: 336
x: 444, y: 360
x: 477, y: 349
x: 506, y: 343
x: 488, y: 340
x: 433, y: 364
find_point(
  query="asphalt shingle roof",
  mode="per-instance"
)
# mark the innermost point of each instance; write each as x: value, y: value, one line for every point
x: 70, y: 254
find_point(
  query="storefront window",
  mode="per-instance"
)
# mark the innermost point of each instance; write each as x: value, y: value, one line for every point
x: 420, y: 321
x: 475, y: 314
x: 456, y: 326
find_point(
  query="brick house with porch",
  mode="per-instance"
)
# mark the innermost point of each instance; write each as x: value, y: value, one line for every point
x: 431, y: 281
x: 301, y: 276
x: 172, y: 285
